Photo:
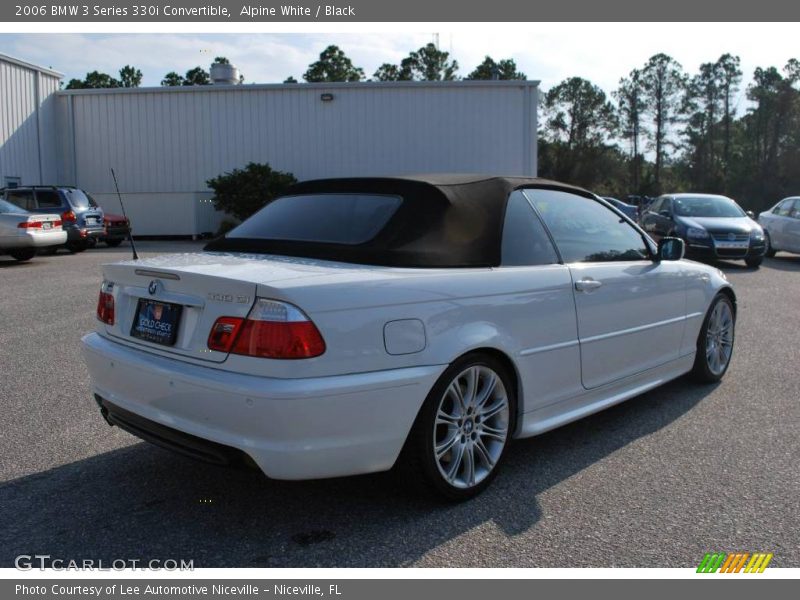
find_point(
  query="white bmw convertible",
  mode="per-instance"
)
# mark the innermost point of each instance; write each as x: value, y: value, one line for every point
x: 355, y: 324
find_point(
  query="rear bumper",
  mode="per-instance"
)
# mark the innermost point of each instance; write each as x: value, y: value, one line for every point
x: 291, y: 428
x: 40, y: 239
x: 115, y: 232
x: 77, y: 233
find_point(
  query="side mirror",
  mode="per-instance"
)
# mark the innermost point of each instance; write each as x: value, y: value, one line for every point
x: 671, y: 248
x: 751, y: 214
x: 665, y: 213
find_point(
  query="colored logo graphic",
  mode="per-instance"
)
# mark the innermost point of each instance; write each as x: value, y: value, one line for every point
x: 735, y: 562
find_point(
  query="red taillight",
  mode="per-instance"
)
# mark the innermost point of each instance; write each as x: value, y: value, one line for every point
x: 30, y: 225
x: 223, y: 333
x: 69, y: 217
x: 105, y: 304
x: 272, y: 330
x: 57, y: 223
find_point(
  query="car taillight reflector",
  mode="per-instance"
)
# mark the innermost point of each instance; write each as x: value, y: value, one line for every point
x: 223, y: 333
x: 68, y: 217
x: 105, y: 304
x: 57, y: 223
x: 272, y: 329
x: 30, y: 225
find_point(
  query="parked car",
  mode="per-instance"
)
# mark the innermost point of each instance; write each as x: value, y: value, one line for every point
x: 81, y: 218
x: 423, y: 321
x: 23, y: 232
x: 117, y: 229
x: 713, y: 227
x: 782, y: 226
x: 628, y: 209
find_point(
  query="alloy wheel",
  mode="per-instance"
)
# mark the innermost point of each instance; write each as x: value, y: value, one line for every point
x: 719, y: 338
x: 471, y: 426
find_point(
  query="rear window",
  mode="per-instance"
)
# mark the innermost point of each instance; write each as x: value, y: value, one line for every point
x: 348, y: 219
x: 78, y: 199
x: 7, y: 207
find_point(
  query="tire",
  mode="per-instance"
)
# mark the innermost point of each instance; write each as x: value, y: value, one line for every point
x: 113, y: 243
x: 76, y: 247
x: 447, y: 430
x: 48, y: 250
x: 715, y: 349
x: 770, y: 253
x: 22, y: 254
x: 754, y: 261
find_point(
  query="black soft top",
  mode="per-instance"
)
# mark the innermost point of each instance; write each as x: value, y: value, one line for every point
x: 445, y: 220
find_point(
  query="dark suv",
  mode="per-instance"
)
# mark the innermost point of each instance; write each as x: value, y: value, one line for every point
x: 82, y: 219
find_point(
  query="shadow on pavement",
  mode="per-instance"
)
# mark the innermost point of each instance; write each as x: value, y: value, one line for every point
x: 142, y: 502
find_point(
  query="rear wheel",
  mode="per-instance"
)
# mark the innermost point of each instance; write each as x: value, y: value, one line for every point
x: 76, y: 247
x: 23, y: 254
x: 754, y: 261
x: 462, y: 431
x: 715, y: 342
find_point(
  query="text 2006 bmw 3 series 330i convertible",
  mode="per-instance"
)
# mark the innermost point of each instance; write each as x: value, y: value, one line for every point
x: 354, y: 324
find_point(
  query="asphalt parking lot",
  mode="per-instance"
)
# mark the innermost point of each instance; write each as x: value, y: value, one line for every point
x: 655, y: 482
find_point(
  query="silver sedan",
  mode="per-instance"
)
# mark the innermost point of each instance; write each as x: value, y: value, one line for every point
x: 22, y: 233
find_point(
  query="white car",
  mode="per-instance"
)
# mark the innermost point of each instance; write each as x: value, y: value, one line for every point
x: 357, y: 323
x: 781, y: 225
x: 22, y: 233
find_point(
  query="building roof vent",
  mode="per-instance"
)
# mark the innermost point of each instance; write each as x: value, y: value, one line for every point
x: 224, y: 74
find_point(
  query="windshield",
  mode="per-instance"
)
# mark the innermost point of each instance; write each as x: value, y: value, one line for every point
x: 707, y: 206
x: 326, y: 218
x: 7, y: 207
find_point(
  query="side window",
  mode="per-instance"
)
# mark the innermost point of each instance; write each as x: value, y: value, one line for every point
x: 586, y: 231
x: 795, y: 210
x: 784, y: 208
x: 22, y: 198
x: 525, y: 241
x: 48, y: 199
x: 656, y: 205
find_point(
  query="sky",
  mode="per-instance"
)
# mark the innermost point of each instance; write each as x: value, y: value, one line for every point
x: 549, y: 52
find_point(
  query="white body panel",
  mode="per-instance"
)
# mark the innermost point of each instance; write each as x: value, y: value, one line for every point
x: 349, y: 410
x: 784, y: 231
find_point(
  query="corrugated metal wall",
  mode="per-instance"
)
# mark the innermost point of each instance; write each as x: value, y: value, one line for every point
x: 165, y: 143
x: 27, y: 123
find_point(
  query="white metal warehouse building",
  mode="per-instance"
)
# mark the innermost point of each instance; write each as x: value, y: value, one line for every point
x: 165, y: 143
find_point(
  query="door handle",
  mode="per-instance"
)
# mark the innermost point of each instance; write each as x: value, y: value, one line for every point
x: 587, y: 284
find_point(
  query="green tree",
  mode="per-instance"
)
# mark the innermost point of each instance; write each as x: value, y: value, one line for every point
x: 631, y: 107
x: 242, y: 192
x: 196, y: 76
x: 333, y: 65
x: 290, y: 79
x: 130, y: 77
x: 221, y: 60
x: 664, y: 85
x: 172, y: 79
x: 506, y: 69
x: 730, y: 79
x: 426, y: 64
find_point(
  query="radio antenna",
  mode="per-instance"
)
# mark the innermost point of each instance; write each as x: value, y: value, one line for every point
x: 130, y: 229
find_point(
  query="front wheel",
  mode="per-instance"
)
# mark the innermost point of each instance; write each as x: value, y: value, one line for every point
x: 754, y: 261
x: 23, y: 254
x: 460, y: 436
x: 770, y: 253
x: 715, y: 342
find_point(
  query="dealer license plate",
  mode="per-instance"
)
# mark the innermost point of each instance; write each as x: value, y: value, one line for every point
x: 156, y: 322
